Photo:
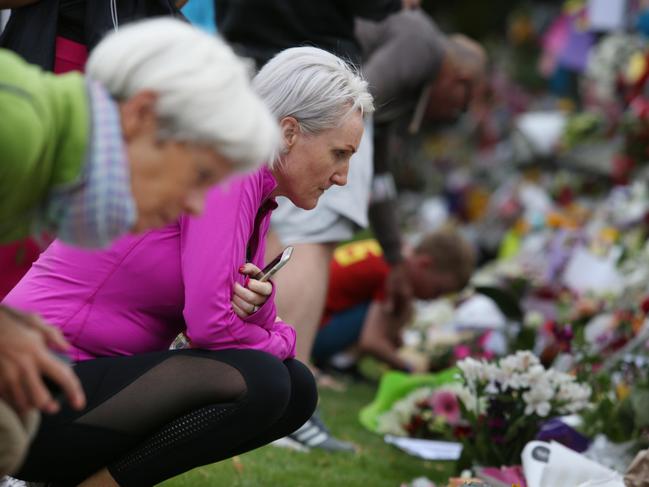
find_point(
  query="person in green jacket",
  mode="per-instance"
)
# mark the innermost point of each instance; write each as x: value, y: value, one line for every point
x: 165, y: 112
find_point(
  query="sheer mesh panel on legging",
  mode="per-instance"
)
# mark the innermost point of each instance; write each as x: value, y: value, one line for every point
x: 153, y: 416
x: 129, y: 399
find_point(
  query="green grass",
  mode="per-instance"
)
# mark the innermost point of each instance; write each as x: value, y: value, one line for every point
x: 376, y: 465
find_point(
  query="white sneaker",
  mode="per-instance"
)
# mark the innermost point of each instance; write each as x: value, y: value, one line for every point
x: 285, y: 442
x: 314, y: 434
x: 7, y: 481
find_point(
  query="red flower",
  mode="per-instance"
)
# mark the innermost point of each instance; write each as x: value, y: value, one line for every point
x: 622, y: 167
x: 645, y: 305
x: 416, y: 423
x: 640, y: 107
x: 462, y: 431
x: 566, y: 196
x: 550, y: 327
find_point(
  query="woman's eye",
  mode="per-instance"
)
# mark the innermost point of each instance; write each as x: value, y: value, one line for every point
x: 204, y: 175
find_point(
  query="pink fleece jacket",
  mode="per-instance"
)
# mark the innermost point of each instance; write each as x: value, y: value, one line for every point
x: 137, y: 295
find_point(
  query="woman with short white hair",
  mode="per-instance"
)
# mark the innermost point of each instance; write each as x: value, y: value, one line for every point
x: 185, y: 102
x: 167, y: 112
x: 154, y: 413
x: 201, y: 90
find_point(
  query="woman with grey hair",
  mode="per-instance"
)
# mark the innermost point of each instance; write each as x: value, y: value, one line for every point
x: 152, y: 412
x: 165, y: 112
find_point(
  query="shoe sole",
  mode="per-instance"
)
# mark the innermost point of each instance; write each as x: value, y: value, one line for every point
x: 291, y: 444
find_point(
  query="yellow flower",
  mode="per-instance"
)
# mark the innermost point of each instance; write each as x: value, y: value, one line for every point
x: 636, y: 68
x: 622, y: 391
x: 609, y: 235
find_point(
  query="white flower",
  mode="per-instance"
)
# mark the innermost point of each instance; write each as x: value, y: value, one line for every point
x: 538, y: 398
x: 491, y: 373
x: 558, y: 378
x: 472, y: 370
x: 473, y: 403
x: 574, y: 397
x: 540, y: 408
x: 390, y: 424
x: 464, y: 395
x: 533, y: 320
x: 521, y: 361
x: 491, y: 388
x: 527, y: 359
x: 537, y: 375
x: 516, y: 381
x: 509, y: 364
x: 522, y: 375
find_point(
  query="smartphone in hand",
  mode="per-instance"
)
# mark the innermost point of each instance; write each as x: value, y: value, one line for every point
x: 274, y: 265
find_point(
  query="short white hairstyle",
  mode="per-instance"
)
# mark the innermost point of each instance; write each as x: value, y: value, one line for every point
x: 204, y: 90
x: 314, y: 86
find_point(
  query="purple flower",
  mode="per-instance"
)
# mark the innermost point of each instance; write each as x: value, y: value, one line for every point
x: 496, y: 423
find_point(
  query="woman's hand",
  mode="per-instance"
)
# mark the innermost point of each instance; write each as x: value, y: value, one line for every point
x: 25, y: 361
x: 247, y: 299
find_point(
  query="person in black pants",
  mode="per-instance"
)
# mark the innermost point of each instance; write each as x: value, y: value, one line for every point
x: 201, y: 407
x: 154, y: 413
x: 258, y: 29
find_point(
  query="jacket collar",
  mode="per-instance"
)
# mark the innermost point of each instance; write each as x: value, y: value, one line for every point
x: 268, y: 185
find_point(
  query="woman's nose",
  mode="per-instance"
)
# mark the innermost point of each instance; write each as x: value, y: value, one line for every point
x: 339, y: 178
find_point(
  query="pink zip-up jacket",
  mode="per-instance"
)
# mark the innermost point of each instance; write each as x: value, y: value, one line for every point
x: 137, y: 295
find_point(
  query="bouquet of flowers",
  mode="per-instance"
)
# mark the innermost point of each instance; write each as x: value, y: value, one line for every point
x: 507, y: 402
x: 434, y: 336
x: 427, y: 413
x: 621, y: 398
x: 609, y: 61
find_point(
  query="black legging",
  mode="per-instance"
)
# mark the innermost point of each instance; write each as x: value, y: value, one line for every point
x: 153, y: 416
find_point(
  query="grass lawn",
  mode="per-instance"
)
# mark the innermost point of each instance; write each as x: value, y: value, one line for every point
x: 377, y: 464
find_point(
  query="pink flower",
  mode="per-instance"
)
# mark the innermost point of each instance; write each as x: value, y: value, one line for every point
x: 445, y: 404
x: 488, y: 355
x: 461, y: 352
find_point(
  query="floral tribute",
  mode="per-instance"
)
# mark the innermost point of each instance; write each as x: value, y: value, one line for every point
x: 506, y: 402
x: 426, y: 413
